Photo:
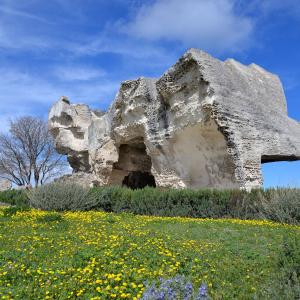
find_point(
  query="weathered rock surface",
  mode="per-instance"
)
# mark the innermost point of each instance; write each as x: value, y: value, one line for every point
x: 84, y: 179
x: 204, y: 123
x: 5, y: 185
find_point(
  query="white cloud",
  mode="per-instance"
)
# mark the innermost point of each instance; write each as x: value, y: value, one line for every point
x: 78, y: 73
x: 15, y: 12
x: 16, y: 40
x: 110, y: 42
x: 17, y: 37
x: 208, y: 24
x: 20, y: 29
x: 291, y: 7
x: 17, y: 87
x: 22, y: 93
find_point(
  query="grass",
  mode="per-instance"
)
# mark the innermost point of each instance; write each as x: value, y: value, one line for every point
x: 97, y: 255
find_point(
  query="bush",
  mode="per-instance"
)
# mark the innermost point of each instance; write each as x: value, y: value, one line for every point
x: 189, y: 203
x: 112, y: 199
x: 61, y: 197
x: 10, y: 211
x: 171, y: 202
x: 280, y: 205
x: 14, y: 197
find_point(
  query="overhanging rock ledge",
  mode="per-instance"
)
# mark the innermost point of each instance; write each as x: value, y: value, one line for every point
x: 204, y: 123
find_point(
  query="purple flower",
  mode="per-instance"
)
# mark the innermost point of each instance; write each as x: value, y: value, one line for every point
x: 173, y: 288
x: 202, y: 293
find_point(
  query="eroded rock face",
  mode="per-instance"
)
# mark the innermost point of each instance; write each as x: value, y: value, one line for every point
x: 5, y: 185
x: 204, y: 123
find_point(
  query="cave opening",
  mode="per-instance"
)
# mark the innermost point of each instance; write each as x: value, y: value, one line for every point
x: 139, y: 180
x: 134, y: 165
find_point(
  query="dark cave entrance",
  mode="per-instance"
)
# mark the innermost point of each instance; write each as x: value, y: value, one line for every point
x: 139, y: 180
x: 134, y: 165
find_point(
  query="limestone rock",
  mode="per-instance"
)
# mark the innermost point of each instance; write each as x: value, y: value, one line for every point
x: 5, y: 185
x: 204, y: 123
x: 86, y: 180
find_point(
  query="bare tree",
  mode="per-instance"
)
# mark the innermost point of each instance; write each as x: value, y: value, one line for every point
x: 27, y: 153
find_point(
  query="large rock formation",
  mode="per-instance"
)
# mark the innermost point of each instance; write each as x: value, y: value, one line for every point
x: 204, y: 123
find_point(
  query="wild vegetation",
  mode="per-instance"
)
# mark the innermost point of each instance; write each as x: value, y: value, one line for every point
x: 14, y: 197
x: 98, y: 255
x: 60, y: 197
x: 279, y: 205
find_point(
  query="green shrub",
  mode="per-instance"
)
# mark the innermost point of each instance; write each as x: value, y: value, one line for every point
x: 168, y: 202
x: 112, y: 199
x: 14, y: 197
x: 12, y: 210
x: 61, y: 197
x: 280, y: 205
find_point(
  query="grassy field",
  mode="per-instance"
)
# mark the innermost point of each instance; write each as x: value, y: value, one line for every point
x: 95, y: 255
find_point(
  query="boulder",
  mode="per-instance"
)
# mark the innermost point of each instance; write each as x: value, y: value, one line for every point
x: 86, y: 180
x: 5, y: 185
x: 203, y: 123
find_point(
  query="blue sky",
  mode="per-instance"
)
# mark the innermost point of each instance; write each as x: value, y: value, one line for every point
x: 84, y: 48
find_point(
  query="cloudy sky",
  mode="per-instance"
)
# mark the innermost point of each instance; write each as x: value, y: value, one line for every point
x: 84, y: 48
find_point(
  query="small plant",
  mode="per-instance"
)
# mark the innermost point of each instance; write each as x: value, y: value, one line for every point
x: 61, y: 197
x: 110, y: 219
x: 50, y: 217
x: 82, y: 257
x: 174, y: 288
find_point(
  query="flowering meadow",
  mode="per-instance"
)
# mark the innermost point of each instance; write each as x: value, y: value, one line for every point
x: 96, y: 255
